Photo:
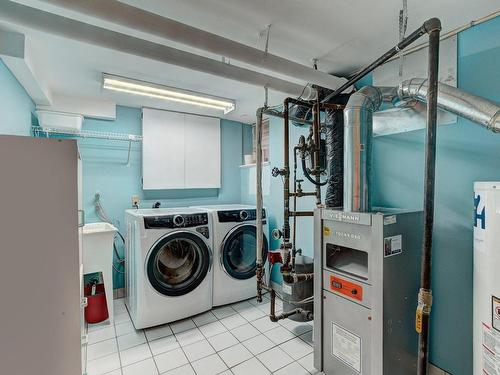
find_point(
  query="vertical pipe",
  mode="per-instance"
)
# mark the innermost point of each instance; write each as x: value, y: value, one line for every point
x: 258, y: 151
x: 286, y: 179
x: 433, y: 28
x: 317, y: 150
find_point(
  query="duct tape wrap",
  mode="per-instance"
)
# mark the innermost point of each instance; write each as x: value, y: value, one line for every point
x: 334, y: 125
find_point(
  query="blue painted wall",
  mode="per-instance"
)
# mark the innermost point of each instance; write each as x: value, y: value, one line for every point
x: 466, y: 153
x: 16, y: 106
x: 105, y: 171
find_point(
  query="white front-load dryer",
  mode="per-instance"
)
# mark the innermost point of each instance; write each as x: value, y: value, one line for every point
x: 235, y: 242
x: 169, y: 264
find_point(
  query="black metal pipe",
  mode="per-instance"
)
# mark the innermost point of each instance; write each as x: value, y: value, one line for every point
x: 427, y: 25
x: 425, y: 294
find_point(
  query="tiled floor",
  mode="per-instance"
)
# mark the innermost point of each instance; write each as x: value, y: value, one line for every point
x: 237, y: 339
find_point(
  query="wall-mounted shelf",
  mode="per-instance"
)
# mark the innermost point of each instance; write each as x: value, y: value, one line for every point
x: 46, y: 132
x: 38, y: 131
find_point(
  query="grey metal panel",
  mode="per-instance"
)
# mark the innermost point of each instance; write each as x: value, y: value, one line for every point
x: 39, y: 270
x: 347, y: 217
x: 401, y: 283
x: 404, y: 119
x: 351, y: 317
x: 389, y: 339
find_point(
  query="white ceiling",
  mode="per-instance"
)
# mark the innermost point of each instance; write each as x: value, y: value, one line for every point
x: 344, y: 35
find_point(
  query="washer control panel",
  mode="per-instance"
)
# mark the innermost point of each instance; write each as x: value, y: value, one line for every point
x: 176, y: 221
x: 236, y: 216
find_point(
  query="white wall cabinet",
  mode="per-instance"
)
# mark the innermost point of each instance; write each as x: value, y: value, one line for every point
x: 180, y: 151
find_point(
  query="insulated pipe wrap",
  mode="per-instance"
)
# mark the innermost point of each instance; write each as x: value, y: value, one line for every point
x: 334, y: 125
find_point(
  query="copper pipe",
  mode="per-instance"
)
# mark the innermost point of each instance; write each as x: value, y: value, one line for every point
x: 303, y: 194
x: 301, y: 213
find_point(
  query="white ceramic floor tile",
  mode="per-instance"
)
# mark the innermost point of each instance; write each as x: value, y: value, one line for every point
x: 146, y: 367
x: 183, y: 370
x: 170, y: 360
x: 135, y: 354
x: 279, y: 335
x: 296, y: 348
x: 163, y: 345
x: 227, y: 372
x: 101, y: 335
x: 223, y: 312
x: 211, y: 365
x: 101, y: 349
x: 124, y: 328
x: 297, y: 328
x: 189, y: 337
x: 222, y: 341
x: 308, y: 363
x: 235, y: 354
x: 205, y: 318
x: 233, y: 321
x: 182, y: 325
x: 130, y: 340
x: 103, y: 365
x: 245, y: 332
x: 121, y: 317
x: 241, y: 306
x: 115, y: 372
x: 198, y: 350
x: 308, y: 337
x: 250, y: 367
x: 274, y: 359
x: 293, y: 368
x: 98, y: 326
x: 264, y: 324
x: 158, y: 332
x: 252, y: 314
x: 212, y: 329
x: 258, y: 344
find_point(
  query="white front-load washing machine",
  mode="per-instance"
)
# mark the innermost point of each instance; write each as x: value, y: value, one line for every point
x: 235, y: 242
x: 169, y: 264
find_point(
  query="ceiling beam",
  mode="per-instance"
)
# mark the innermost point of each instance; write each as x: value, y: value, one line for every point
x: 17, y: 54
x: 54, y: 24
x: 152, y: 23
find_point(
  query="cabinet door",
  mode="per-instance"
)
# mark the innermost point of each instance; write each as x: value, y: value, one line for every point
x: 162, y: 149
x: 202, y: 152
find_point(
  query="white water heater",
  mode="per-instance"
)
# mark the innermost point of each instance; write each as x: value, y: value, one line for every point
x: 487, y: 278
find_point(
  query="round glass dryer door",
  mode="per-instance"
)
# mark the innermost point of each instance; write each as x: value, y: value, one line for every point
x: 238, y: 252
x: 178, y: 263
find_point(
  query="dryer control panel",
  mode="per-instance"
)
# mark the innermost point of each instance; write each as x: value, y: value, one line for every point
x: 236, y: 216
x: 176, y: 221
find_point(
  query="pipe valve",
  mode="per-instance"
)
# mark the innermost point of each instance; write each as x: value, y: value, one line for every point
x: 275, y: 172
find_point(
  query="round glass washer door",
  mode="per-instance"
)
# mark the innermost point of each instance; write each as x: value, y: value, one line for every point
x: 238, y: 252
x: 178, y: 263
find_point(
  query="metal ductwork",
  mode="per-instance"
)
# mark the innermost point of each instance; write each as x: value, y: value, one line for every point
x: 358, y: 128
x: 474, y: 108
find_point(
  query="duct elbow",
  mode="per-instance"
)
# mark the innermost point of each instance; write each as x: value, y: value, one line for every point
x: 368, y: 97
x: 432, y: 24
x: 495, y: 123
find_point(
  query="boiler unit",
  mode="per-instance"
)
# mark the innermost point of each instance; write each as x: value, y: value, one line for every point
x: 368, y: 267
x: 486, y: 278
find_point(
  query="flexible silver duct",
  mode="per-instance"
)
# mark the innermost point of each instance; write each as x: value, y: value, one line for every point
x: 358, y: 128
x: 474, y: 108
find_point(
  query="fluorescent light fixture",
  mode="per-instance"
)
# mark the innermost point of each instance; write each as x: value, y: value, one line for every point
x: 153, y: 90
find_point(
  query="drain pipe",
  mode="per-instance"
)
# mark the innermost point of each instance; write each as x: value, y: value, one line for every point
x: 425, y: 294
x: 260, y: 237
